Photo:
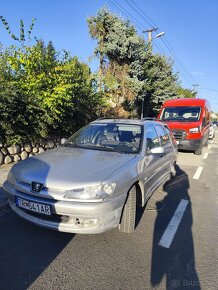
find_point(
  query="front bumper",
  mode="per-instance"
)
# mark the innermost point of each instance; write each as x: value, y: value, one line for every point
x: 68, y: 216
x: 189, y: 145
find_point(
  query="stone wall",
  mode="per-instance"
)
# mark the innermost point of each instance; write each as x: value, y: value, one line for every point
x: 15, y: 153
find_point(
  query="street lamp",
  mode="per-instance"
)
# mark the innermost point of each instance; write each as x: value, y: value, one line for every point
x: 160, y: 34
x: 150, y: 38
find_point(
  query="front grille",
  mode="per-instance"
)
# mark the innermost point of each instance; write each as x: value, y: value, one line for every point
x: 179, y: 134
x: 26, y: 186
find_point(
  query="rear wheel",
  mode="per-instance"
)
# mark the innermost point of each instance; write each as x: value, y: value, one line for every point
x: 127, y: 223
x: 206, y: 143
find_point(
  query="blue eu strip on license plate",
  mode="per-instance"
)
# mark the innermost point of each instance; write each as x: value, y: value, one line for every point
x: 33, y: 206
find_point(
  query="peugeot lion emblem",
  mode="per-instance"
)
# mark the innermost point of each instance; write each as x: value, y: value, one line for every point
x: 36, y: 186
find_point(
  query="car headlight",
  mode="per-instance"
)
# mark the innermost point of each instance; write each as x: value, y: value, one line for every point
x: 194, y: 130
x: 11, y: 178
x: 94, y: 192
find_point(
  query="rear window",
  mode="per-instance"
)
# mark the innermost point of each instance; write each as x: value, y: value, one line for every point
x: 181, y: 114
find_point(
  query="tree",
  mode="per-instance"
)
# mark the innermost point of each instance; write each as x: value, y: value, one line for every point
x: 186, y: 93
x: 21, y: 38
x: 130, y: 72
x: 45, y: 91
x: 121, y: 52
x: 160, y: 83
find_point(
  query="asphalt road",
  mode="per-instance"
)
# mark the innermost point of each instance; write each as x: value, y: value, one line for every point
x: 174, y: 245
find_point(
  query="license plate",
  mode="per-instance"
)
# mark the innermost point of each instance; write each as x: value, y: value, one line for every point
x: 33, y: 206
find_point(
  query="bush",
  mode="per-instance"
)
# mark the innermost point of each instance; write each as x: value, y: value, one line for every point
x: 44, y: 93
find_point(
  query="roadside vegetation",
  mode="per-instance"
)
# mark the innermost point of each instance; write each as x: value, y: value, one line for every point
x: 45, y: 92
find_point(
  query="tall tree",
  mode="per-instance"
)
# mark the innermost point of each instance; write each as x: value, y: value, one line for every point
x: 186, y: 93
x: 121, y: 52
x: 131, y: 73
x: 161, y: 83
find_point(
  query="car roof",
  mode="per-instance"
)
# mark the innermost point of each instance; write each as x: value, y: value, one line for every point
x: 184, y: 102
x: 127, y: 121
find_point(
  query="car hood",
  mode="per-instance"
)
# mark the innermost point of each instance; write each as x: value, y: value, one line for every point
x: 65, y: 168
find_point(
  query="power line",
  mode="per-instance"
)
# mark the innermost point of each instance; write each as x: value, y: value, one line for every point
x: 208, y: 89
x: 138, y: 24
x: 166, y: 42
x: 126, y: 13
x: 178, y: 63
x: 147, y: 19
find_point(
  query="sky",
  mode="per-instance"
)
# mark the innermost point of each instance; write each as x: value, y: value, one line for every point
x: 190, y: 26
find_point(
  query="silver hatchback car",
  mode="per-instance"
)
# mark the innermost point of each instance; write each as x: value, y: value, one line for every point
x: 97, y: 179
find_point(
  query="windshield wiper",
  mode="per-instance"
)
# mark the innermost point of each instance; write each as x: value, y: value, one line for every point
x: 93, y: 146
x: 71, y: 144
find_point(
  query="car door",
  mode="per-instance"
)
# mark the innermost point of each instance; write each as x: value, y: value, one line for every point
x: 168, y: 156
x: 153, y: 162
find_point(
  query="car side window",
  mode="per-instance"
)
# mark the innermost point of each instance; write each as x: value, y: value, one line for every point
x: 151, y: 137
x: 172, y: 137
x: 164, y: 137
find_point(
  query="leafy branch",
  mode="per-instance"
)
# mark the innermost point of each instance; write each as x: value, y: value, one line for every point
x: 22, y: 37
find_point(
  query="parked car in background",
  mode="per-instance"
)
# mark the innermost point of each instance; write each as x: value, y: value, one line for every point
x: 97, y: 179
x: 189, y: 120
x: 212, y: 131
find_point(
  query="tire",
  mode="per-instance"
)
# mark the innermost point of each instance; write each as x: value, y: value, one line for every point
x: 206, y: 143
x: 198, y: 151
x: 128, y: 218
x: 173, y: 170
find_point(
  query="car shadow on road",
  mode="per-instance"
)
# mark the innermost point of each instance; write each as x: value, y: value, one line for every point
x: 176, y: 264
x: 25, y: 249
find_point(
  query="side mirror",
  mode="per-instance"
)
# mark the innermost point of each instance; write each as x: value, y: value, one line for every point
x: 157, y: 150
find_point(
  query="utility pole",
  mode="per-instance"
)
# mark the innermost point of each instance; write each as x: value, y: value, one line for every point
x: 196, y: 86
x: 150, y: 38
x: 149, y: 32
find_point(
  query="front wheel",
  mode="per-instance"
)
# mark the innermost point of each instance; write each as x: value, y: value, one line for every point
x: 173, y: 170
x: 198, y: 151
x: 127, y: 223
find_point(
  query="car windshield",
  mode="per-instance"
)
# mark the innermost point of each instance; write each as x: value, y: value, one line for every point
x: 123, y: 138
x: 181, y: 114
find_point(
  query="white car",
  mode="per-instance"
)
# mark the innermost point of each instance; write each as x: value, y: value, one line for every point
x: 211, y: 131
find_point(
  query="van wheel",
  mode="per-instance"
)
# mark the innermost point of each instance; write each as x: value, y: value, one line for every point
x: 127, y: 223
x: 206, y: 143
x: 198, y: 151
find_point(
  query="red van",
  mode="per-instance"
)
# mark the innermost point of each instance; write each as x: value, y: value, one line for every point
x: 189, y: 120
